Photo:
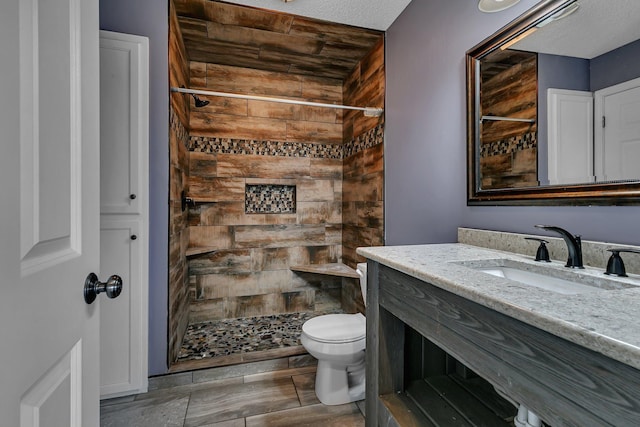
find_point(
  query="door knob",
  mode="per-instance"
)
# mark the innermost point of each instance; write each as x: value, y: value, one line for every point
x: 92, y: 287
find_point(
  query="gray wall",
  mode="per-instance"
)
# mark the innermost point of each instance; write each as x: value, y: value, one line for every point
x: 616, y: 66
x: 150, y: 18
x: 558, y: 72
x: 425, y: 140
x: 425, y: 135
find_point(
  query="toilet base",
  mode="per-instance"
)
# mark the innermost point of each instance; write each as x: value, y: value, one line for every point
x: 337, y: 385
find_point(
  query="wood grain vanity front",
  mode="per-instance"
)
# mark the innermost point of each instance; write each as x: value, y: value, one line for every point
x: 562, y: 382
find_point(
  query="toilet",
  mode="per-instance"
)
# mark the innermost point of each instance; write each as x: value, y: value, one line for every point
x: 338, y: 342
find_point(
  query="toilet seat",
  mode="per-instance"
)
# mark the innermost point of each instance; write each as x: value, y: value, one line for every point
x: 336, y: 328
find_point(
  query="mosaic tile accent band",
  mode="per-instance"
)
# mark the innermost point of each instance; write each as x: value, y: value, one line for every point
x: 510, y: 145
x: 369, y: 139
x: 206, y: 144
x: 178, y: 127
x: 270, y: 198
x: 264, y: 148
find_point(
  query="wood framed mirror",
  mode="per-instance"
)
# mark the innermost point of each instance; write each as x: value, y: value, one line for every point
x: 553, y: 107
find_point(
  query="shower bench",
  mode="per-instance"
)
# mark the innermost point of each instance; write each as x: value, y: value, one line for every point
x: 331, y: 269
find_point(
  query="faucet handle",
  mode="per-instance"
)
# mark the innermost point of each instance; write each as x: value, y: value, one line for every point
x: 615, y: 265
x: 542, y: 254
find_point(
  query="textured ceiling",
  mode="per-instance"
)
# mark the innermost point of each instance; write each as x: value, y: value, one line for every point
x: 374, y: 14
x: 595, y: 28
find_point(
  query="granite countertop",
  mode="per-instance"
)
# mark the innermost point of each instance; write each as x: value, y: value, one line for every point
x: 605, y: 321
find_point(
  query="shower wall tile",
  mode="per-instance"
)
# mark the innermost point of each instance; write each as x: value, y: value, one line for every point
x: 333, y: 233
x: 202, y: 165
x: 266, y: 120
x: 310, y: 190
x: 240, y: 125
x: 197, y: 73
x: 214, y: 189
x: 179, y: 295
x: 352, y: 295
x: 278, y: 235
x: 327, y: 133
x: 262, y: 143
x: 211, y: 236
x: 369, y: 214
x: 326, y: 168
x: 270, y: 219
x: 363, y: 203
x: 230, y: 165
x: 221, y: 261
x: 321, y: 89
x: 369, y: 187
x: 204, y: 310
x: 283, y: 257
x: 363, y: 165
x: 319, y: 212
x: 178, y: 68
x: 291, y: 112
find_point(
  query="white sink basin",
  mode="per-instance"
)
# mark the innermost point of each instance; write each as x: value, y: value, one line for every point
x: 545, y: 276
x: 554, y: 284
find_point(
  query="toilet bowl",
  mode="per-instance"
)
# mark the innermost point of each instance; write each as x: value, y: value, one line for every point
x: 338, y: 342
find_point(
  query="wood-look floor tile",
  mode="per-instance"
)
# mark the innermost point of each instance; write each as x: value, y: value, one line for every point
x: 306, y: 388
x: 186, y: 390
x: 302, y: 360
x: 238, y: 422
x: 240, y: 370
x: 117, y: 400
x: 283, y: 373
x: 311, y: 416
x: 171, y: 380
x: 243, y: 400
x: 168, y: 411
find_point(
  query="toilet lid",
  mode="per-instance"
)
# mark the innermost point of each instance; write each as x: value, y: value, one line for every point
x: 336, y: 328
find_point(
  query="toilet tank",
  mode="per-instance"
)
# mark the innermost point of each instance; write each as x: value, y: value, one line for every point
x: 361, y: 269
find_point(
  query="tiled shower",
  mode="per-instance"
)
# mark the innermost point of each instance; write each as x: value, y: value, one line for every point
x: 279, y: 187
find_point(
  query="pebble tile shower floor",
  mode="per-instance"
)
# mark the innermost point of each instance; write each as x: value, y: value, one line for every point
x: 243, y: 335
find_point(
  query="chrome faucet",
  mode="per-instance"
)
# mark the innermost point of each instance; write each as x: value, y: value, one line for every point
x: 574, y: 245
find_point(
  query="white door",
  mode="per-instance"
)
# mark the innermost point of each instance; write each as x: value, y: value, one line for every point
x: 49, y: 218
x: 618, y: 136
x: 570, y: 136
x: 124, y: 219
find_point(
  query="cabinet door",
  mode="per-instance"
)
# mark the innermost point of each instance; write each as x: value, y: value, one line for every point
x: 123, y: 331
x: 123, y: 122
x: 124, y: 210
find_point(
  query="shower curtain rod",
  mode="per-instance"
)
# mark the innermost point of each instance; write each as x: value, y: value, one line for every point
x: 368, y: 111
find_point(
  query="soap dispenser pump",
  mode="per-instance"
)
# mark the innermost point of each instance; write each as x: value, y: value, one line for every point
x: 542, y: 254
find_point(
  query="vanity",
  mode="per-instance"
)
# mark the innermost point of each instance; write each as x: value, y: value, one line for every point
x: 451, y: 344
x: 573, y: 359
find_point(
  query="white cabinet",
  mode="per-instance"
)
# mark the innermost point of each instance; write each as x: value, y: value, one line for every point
x: 124, y: 216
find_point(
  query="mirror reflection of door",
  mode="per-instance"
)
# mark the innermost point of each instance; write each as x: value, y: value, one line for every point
x: 618, y: 140
x: 570, y: 136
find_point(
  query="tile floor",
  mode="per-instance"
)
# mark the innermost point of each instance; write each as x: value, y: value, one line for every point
x: 225, y: 337
x: 273, y: 393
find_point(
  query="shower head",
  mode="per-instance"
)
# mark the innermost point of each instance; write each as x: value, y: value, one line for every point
x: 199, y: 102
